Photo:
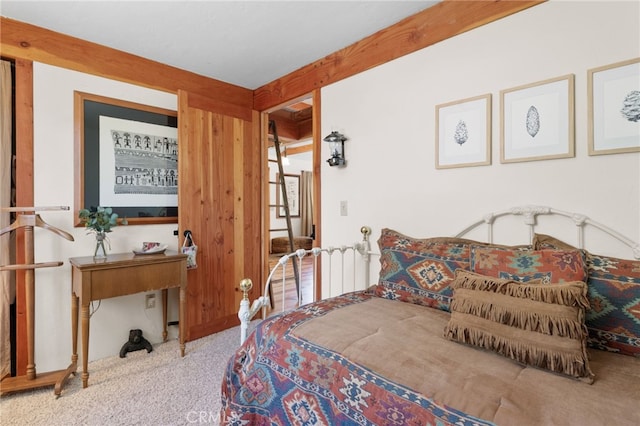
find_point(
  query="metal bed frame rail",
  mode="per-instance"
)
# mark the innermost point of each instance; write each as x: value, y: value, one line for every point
x: 362, y: 248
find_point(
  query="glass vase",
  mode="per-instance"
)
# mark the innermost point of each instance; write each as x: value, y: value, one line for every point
x: 100, y: 252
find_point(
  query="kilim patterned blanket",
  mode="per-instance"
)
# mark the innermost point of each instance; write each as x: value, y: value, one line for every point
x: 276, y: 378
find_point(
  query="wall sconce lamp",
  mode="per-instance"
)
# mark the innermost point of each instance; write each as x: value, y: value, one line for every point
x: 336, y: 147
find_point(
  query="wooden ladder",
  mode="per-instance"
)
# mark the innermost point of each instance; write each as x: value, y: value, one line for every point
x: 284, y: 200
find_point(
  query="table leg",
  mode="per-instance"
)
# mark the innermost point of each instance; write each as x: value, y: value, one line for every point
x: 183, y: 297
x: 85, y: 345
x: 165, y: 293
x: 74, y: 329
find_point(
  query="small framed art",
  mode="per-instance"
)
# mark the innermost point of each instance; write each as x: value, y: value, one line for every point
x: 614, y: 108
x: 463, y: 133
x: 292, y: 185
x: 537, y: 121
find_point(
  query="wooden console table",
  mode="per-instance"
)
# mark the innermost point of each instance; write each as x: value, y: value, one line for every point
x: 121, y: 274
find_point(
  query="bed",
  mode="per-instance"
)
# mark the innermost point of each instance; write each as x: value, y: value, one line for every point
x: 455, y: 332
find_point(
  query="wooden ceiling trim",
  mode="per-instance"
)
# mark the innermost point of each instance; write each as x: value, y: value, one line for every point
x: 293, y: 150
x: 286, y: 128
x: 293, y: 126
x: 203, y: 102
x: 439, y: 22
x: 305, y: 128
x: 298, y: 106
x: 20, y: 40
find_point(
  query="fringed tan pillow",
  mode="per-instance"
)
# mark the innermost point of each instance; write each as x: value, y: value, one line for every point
x: 536, y: 324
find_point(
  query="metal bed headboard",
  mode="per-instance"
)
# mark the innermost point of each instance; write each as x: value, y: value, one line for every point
x: 529, y: 214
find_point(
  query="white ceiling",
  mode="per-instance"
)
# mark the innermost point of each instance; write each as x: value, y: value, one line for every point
x: 246, y: 43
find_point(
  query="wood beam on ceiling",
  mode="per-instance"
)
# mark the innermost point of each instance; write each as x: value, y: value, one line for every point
x: 305, y: 128
x: 285, y: 126
x: 288, y: 149
x: 293, y: 150
x: 434, y: 24
x: 298, y: 106
x: 20, y: 40
x: 293, y: 125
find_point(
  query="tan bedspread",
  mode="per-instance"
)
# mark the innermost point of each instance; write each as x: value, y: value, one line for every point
x: 405, y: 343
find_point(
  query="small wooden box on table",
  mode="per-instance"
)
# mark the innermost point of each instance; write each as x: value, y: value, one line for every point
x: 121, y: 274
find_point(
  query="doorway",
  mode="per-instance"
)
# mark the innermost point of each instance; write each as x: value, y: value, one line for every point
x: 296, y: 125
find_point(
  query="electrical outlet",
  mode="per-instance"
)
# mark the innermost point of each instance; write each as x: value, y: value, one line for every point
x: 150, y: 301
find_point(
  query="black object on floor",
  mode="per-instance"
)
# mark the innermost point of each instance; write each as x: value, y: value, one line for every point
x: 135, y: 343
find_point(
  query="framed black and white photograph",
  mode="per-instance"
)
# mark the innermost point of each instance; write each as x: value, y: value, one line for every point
x: 126, y: 159
x: 292, y: 185
x: 614, y: 108
x: 537, y: 121
x: 463, y: 133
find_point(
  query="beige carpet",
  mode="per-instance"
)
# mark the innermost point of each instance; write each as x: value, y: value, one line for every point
x: 157, y: 388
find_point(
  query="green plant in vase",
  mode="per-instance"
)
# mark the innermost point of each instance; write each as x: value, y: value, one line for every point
x: 99, y: 221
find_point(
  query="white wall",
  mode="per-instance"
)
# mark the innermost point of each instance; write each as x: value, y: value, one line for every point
x: 388, y: 114
x: 54, y: 186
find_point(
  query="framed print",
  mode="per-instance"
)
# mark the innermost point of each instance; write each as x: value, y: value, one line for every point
x: 614, y: 108
x: 537, y: 121
x: 463, y: 133
x: 292, y: 185
x: 126, y: 158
